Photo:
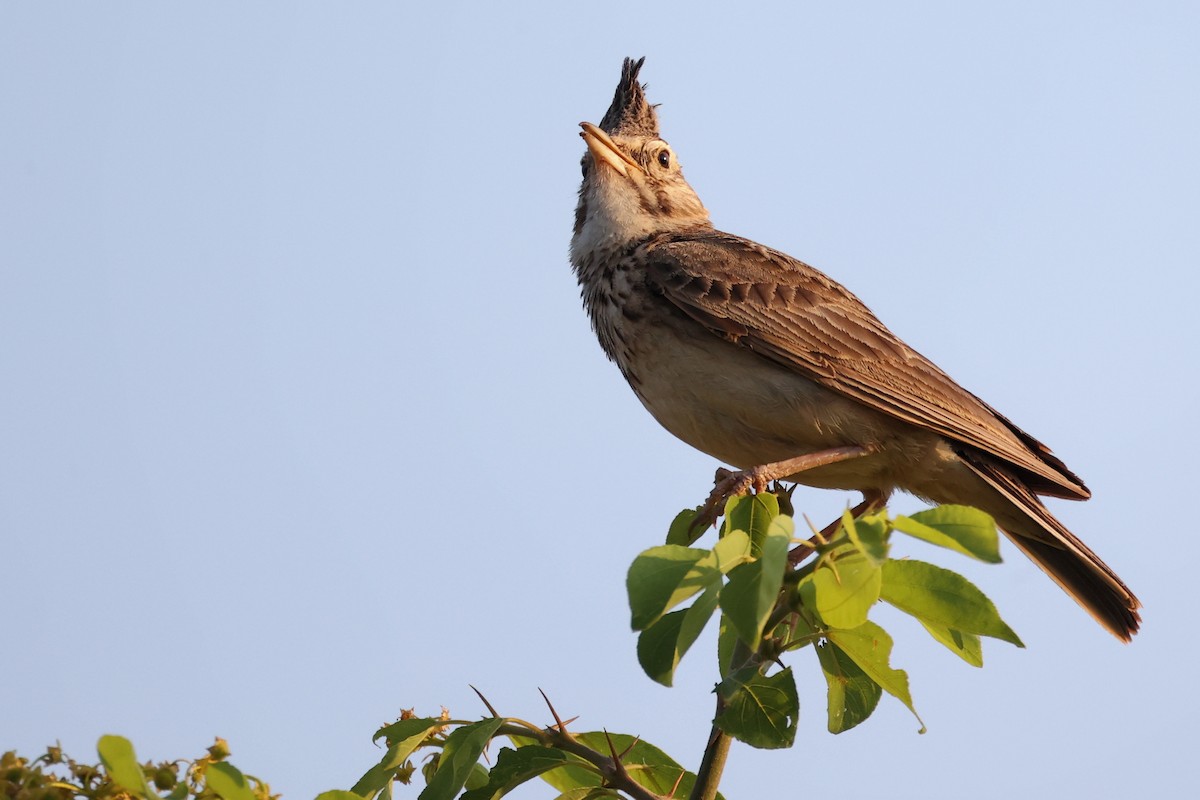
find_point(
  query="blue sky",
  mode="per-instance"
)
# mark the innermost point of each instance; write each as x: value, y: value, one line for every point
x: 302, y: 423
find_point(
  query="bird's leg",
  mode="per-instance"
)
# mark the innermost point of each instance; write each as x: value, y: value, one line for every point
x: 729, y: 484
x: 873, y: 500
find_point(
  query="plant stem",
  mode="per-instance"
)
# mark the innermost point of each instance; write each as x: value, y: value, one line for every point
x: 708, y: 778
x: 614, y: 772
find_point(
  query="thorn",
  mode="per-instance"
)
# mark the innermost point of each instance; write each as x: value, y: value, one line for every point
x: 612, y: 749
x: 562, y: 726
x: 678, y: 781
x: 632, y: 745
x: 495, y: 714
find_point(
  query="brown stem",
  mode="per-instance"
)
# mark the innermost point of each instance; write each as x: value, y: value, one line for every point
x: 613, y: 772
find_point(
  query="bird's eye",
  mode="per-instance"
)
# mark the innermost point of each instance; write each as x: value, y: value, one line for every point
x: 584, y: 168
x: 664, y: 158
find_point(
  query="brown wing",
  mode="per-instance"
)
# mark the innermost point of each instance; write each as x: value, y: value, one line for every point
x: 789, y: 312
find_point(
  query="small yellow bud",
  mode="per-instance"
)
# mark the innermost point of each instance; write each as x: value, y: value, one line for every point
x: 220, y: 750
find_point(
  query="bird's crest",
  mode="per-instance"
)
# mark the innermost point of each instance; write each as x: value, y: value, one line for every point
x: 630, y: 114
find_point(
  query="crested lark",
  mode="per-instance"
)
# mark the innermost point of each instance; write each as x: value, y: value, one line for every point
x: 765, y: 363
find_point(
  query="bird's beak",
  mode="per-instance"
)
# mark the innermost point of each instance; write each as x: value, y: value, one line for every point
x: 605, y: 149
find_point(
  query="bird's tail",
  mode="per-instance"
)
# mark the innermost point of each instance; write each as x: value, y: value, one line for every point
x: 1073, y: 566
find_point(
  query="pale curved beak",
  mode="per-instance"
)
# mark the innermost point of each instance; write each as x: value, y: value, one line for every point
x: 604, y: 149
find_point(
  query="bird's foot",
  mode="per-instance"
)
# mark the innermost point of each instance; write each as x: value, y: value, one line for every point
x: 731, y: 484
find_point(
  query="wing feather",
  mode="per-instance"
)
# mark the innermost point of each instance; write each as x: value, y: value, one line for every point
x: 794, y: 315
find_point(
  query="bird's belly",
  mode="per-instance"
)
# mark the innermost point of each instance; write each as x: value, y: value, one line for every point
x: 746, y: 410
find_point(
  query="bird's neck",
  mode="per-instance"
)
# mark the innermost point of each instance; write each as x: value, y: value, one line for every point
x: 606, y: 233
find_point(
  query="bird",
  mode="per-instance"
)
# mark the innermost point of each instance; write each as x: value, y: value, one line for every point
x: 765, y: 363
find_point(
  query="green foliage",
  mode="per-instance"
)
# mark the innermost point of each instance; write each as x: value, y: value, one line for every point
x: 753, y: 588
x: 116, y: 754
x: 853, y: 694
x: 940, y: 597
x: 120, y: 776
x: 769, y: 607
x: 759, y: 709
x: 966, y: 530
x: 769, y: 604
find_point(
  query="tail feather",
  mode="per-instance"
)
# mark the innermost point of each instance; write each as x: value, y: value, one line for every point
x: 1072, y: 564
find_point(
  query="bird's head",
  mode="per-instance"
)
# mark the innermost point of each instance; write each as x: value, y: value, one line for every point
x: 633, y: 186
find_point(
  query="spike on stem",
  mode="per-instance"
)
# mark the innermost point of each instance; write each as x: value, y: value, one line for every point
x: 616, y: 757
x: 558, y: 722
x: 490, y: 707
x: 679, y: 780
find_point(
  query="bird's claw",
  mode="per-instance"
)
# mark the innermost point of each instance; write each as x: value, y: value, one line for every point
x: 727, y: 484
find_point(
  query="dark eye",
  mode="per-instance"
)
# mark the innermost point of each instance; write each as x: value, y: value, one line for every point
x: 664, y: 159
x: 584, y: 168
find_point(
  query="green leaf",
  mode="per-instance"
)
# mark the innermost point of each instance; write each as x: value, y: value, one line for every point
x: 731, y: 550
x: 753, y: 588
x: 648, y: 765
x: 870, y: 647
x: 759, y: 710
x: 663, y: 577
x: 384, y: 772
x: 403, y: 738
x: 117, y: 756
x: 846, y: 585
x: 853, y: 696
x: 961, y: 528
x: 964, y: 645
x: 460, y: 753
x: 575, y: 774
x: 478, y: 777
x: 869, y: 535
x: 514, y: 767
x: 727, y: 642
x: 944, y: 598
x: 406, y: 729
x: 752, y: 514
x: 661, y: 646
x: 338, y: 794
x: 228, y: 782
x: 660, y: 578
x: 681, y: 531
